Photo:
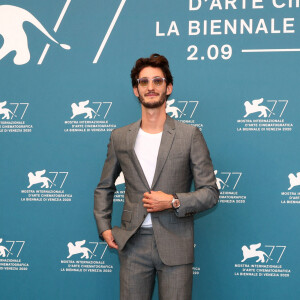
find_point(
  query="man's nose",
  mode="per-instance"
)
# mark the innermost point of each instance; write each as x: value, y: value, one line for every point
x: 150, y: 85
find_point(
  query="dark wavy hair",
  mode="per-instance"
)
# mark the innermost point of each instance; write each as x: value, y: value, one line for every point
x: 155, y: 61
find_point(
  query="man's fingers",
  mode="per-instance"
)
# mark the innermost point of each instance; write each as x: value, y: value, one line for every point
x: 112, y: 244
x: 148, y: 201
x: 108, y: 237
x: 147, y: 195
x: 152, y: 209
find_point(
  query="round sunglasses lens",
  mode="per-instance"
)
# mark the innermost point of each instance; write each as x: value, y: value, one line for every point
x: 158, y: 81
x: 144, y: 81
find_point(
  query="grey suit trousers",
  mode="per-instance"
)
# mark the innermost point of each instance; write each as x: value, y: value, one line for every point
x: 139, y: 264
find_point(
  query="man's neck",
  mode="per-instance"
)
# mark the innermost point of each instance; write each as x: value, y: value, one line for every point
x: 153, y: 120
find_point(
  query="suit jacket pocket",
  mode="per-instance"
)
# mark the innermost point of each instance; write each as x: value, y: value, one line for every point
x: 175, y: 219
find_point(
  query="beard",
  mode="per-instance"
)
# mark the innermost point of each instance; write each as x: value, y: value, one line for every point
x: 161, y: 101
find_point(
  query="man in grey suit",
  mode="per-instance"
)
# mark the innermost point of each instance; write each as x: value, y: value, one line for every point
x: 159, y: 158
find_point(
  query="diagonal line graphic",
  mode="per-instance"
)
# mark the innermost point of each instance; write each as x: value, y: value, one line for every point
x: 112, y: 24
x: 269, y: 50
x: 61, y: 16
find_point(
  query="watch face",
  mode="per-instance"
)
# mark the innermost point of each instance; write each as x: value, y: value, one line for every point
x: 176, y: 203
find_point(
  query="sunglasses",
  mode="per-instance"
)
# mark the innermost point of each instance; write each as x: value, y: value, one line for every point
x: 157, y: 81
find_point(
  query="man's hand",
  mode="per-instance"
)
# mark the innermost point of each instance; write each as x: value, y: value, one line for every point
x: 109, y: 239
x: 157, y: 201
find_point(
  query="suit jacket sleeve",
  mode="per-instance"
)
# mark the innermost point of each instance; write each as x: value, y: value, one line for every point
x: 104, y: 193
x: 206, y: 192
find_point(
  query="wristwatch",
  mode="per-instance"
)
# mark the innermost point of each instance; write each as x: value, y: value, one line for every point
x: 175, y: 202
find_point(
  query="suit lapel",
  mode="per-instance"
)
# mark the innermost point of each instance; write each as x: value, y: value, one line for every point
x: 131, y: 138
x: 165, y: 147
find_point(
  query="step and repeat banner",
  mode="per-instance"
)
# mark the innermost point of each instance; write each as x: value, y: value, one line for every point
x: 65, y: 85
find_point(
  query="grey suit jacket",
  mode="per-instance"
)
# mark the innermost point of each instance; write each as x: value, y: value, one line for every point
x: 182, y: 157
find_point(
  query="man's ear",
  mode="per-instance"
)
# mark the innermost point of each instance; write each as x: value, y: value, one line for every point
x: 136, y: 92
x: 169, y: 89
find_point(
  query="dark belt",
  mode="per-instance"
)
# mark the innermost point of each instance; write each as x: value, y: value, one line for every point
x: 145, y: 230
